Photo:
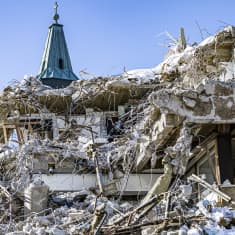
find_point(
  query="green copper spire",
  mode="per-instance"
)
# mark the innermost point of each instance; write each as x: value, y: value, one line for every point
x: 56, y: 69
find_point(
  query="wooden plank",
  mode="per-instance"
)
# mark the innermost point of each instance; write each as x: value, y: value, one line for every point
x: 5, y: 134
x: 19, y: 135
x: 217, y: 164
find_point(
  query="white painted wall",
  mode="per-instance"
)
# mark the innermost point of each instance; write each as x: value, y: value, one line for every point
x: 137, y: 183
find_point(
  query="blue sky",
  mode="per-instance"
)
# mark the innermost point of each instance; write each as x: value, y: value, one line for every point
x: 103, y: 36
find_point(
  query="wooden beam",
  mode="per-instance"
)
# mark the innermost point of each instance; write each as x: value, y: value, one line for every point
x: 5, y: 134
x: 217, y: 169
x: 19, y: 135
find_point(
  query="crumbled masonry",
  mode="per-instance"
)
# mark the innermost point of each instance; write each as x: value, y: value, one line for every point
x: 150, y: 151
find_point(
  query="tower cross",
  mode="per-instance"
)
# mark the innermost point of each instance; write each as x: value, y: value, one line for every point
x: 56, y: 15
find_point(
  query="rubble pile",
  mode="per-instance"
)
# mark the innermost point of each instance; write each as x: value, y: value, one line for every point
x: 84, y: 213
x: 144, y: 152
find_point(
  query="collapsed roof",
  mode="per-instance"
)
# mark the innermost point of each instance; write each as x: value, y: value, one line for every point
x: 173, y: 111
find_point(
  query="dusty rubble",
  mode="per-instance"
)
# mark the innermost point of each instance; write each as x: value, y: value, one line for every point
x: 168, y: 122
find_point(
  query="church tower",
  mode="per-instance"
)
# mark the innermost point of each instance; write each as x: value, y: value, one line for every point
x: 56, y: 69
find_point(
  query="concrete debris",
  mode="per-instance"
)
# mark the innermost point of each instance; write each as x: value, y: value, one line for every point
x: 144, y: 152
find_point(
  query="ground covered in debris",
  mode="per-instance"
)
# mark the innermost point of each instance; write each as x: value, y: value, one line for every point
x: 161, y: 129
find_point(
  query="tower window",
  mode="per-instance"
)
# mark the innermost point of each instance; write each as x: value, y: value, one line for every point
x: 61, y: 63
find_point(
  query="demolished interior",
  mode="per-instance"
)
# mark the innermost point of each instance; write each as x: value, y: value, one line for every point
x: 145, y: 152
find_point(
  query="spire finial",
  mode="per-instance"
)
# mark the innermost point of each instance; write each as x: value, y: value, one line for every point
x: 56, y: 15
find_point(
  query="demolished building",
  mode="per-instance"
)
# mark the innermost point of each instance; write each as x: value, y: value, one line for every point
x: 122, y: 154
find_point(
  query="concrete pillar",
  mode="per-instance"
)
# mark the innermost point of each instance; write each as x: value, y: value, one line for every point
x: 35, y: 197
x: 55, y: 127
